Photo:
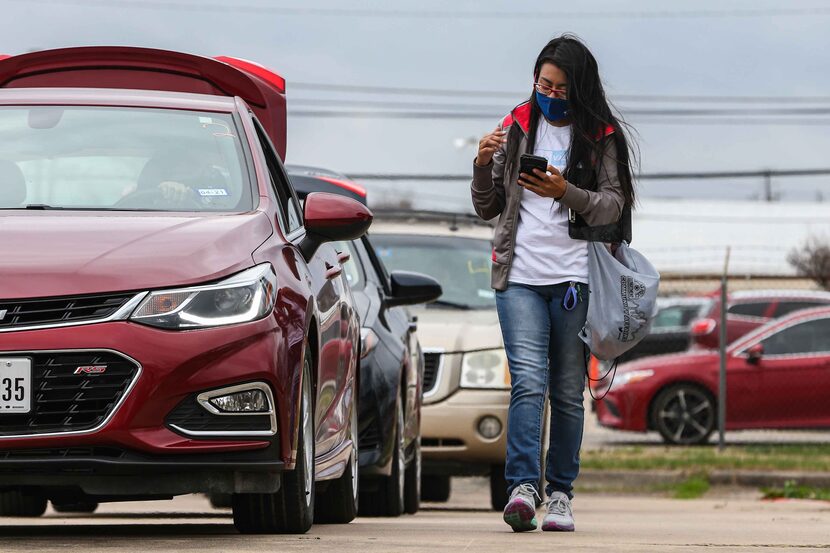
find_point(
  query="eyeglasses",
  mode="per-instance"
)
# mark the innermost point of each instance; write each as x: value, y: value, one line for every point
x: 550, y: 91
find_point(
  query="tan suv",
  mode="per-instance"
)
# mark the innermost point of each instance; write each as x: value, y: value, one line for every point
x: 466, y: 380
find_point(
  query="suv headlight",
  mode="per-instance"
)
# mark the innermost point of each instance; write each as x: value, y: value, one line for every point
x: 485, y: 369
x: 246, y: 296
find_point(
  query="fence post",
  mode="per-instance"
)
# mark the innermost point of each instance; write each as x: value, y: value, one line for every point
x: 722, y: 350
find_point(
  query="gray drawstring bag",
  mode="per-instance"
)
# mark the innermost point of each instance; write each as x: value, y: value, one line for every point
x: 623, y: 300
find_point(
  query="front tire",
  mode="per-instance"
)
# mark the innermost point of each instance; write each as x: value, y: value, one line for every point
x: 412, y: 482
x: 338, y: 504
x: 684, y: 414
x: 436, y: 488
x: 15, y: 503
x: 291, y: 509
x: 388, y: 499
x: 86, y: 507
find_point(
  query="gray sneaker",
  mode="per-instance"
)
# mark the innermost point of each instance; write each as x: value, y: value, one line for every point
x: 560, y: 516
x: 520, y: 512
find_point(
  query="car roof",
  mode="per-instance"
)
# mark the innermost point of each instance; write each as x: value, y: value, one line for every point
x: 430, y: 223
x: 306, y: 180
x: 749, y: 295
x: 131, y: 68
x: 116, y: 97
x: 669, y: 301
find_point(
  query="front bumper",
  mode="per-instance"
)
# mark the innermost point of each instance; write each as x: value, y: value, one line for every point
x: 112, y: 473
x: 173, y: 367
x: 450, y: 441
x: 624, y: 409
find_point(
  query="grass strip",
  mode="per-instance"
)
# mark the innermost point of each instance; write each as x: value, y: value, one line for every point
x: 792, y: 490
x: 700, y: 459
x: 692, y: 488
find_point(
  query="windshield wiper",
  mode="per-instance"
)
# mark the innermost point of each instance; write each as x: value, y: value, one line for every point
x: 41, y: 206
x: 453, y: 304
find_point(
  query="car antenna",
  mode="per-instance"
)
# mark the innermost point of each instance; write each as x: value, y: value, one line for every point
x: 454, y: 224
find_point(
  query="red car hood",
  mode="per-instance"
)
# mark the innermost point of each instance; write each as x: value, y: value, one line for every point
x: 65, y: 253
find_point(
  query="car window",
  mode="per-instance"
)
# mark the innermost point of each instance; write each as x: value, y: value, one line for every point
x: 750, y: 309
x: 120, y: 158
x: 279, y: 181
x: 787, y: 307
x: 675, y: 316
x: 460, y: 265
x: 807, y: 337
x: 353, y: 268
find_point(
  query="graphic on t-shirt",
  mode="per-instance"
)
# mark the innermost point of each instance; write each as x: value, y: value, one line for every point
x: 557, y: 158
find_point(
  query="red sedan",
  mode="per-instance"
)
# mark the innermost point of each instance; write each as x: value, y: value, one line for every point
x: 171, y: 321
x: 778, y: 376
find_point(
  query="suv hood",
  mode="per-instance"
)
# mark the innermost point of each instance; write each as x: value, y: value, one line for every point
x: 51, y: 253
x: 456, y: 330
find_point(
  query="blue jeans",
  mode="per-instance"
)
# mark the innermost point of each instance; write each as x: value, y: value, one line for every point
x: 544, y: 351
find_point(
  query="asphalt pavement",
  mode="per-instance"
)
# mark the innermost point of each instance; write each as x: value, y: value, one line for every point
x: 604, y: 523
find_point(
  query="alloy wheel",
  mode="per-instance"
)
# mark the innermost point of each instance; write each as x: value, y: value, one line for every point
x: 685, y: 415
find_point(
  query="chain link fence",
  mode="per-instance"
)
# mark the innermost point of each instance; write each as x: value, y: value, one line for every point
x: 767, y: 382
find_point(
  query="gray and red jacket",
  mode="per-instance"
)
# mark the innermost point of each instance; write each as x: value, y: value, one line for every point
x: 597, y: 214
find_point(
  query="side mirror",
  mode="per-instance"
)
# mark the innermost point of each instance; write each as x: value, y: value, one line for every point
x: 412, y: 288
x: 330, y: 218
x: 754, y: 354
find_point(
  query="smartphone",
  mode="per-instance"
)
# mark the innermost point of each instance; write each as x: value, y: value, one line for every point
x: 527, y: 163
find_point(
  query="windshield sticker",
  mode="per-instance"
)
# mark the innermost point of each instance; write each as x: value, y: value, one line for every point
x: 486, y: 294
x: 485, y: 268
x: 213, y: 192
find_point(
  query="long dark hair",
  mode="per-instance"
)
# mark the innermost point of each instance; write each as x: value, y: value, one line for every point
x: 589, y: 111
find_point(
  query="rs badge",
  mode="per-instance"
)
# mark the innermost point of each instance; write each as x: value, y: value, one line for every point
x: 91, y: 369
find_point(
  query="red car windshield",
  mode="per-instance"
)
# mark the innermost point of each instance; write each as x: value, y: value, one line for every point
x: 117, y: 158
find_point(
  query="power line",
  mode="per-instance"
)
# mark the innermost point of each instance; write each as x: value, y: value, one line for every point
x: 641, y: 176
x: 500, y: 109
x: 439, y: 14
x: 516, y: 95
x: 366, y: 114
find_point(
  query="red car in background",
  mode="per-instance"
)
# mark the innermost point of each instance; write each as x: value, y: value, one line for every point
x: 748, y: 310
x: 171, y: 321
x: 778, y: 376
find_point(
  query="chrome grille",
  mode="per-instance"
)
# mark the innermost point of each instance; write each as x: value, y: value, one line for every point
x: 63, y: 401
x: 46, y: 311
x: 432, y: 362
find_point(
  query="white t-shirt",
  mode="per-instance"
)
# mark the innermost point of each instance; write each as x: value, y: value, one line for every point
x: 544, y: 253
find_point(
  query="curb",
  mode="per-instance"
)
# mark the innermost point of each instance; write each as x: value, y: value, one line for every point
x: 752, y: 479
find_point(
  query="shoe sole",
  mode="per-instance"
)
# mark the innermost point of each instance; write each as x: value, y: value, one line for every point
x: 553, y: 527
x: 520, y: 516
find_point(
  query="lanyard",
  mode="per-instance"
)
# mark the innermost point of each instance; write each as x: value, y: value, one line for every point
x: 571, y: 298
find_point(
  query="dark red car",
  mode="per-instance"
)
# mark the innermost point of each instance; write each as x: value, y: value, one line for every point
x: 171, y: 321
x: 748, y: 310
x: 777, y: 377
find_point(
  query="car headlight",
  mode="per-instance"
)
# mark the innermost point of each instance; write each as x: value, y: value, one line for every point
x: 630, y: 377
x: 246, y: 296
x: 485, y: 369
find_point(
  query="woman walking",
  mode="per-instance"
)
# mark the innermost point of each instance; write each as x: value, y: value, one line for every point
x: 540, y: 271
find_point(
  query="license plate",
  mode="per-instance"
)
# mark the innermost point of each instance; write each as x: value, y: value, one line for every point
x: 15, y: 385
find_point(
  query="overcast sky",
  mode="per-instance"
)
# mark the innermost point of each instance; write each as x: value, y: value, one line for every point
x: 723, y: 48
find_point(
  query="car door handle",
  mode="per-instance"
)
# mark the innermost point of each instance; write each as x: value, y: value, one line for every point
x: 332, y: 271
x: 342, y: 257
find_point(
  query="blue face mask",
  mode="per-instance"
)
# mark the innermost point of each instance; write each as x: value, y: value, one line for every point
x: 553, y: 109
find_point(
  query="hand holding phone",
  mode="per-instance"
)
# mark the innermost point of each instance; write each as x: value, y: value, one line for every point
x: 547, y: 185
x: 528, y: 162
